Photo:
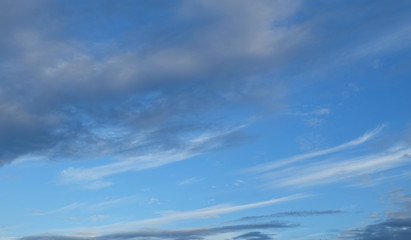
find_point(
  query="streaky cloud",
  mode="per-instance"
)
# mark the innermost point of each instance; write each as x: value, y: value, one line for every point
x: 91, y: 178
x: 254, y: 236
x: 62, y: 209
x: 289, y: 214
x: 281, y: 163
x: 334, y: 171
x: 183, y: 234
x: 203, y: 213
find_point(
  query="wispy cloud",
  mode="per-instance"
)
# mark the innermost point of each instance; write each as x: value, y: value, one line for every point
x: 173, y: 216
x: 92, y: 177
x: 110, y: 203
x: 97, y: 217
x: 190, y: 181
x: 315, y: 112
x: 62, y: 209
x: 284, y: 162
x: 186, y: 234
x: 369, y: 180
x: 289, y: 214
x: 254, y: 236
x: 332, y: 170
x: 88, y: 206
x: 393, y: 39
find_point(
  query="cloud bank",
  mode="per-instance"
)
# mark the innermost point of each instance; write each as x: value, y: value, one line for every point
x: 143, y: 81
x: 396, y: 225
x: 69, y: 95
x: 185, y: 234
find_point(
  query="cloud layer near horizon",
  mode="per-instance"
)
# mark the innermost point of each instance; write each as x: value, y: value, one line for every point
x: 184, y: 234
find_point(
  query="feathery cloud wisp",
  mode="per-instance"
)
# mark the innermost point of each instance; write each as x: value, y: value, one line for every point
x: 210, y: 212
x: 333, y: 171
x: 281, y: 163
x: 92, y: 177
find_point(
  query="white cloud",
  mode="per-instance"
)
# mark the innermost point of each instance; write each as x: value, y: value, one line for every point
x: 154, y: 201
x: 284, y: 162
x: 333, y: 170
x: 393, y: 39
x: 91, y: 178
x: 62, y: 209
x: 190, y: 181
x: 239, y: 182
x: 173, y: 216
x: 322, y: 111
x: 111, y: 202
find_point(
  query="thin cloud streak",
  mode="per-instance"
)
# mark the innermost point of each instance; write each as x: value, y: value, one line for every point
x: 111, y: 202
x: 190, y: 181
x: 62, y: 209
x: 331, y: 171
x: 180, y: 234
x: 277, y: 164
x: 289, y: 214
x: 92, y: 177
x: 210, y: 212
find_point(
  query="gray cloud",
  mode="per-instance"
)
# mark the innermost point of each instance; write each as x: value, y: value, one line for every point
x: 401, y: 205
x: 392, y: 229
x: 186, y: 234
x: 290, y: 214
x: 396, y: 226
x: 67, y: 96
x: 254, y: 236
x: 81, y: 85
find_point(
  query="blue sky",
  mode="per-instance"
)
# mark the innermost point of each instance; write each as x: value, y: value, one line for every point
x: 198, y: 120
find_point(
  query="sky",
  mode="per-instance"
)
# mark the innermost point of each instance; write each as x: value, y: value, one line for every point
x: 205, y: 120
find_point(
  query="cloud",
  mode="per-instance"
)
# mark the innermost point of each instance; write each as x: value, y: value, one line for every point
x: 97, y: 217
x: 298, y: 158
x: 174, y: 216
x: 323, y: 172
x: 369, y: 180
x: 171, y: 217
x: 254, y: 236
x: 392, y: 229
x: 89, y: 206
x: 111, y: 202
x: 62, y: 209
x: 77, y: 87
x: 289, y: 214
x: 91, y: 178
x: 69, y: 95
x: 401, y: 205
x: 184, y: 234
x: 395, y: 226
x: 322, y: 111
x: 190, y: 181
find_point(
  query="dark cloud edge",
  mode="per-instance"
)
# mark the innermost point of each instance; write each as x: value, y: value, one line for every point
x: 304, y: 213
x: 183, y: 234
x: 389, y: 229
